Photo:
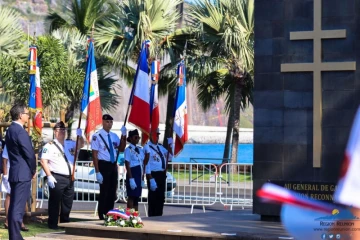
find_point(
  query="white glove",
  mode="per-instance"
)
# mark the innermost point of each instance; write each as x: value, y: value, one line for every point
x: 5, y: 178
x: 170, y: 141
x: 132, y: 183
x: 123, y: 130
x: 99, y: 178
x: 153, y: 185
x: 146, y: 148
x: 51, y: 181
x: 142, y: 184
x: 78, y: 132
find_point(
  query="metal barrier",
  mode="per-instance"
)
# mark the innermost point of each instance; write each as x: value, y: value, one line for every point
x: 235, y: 185
x: 192, y: 184
x: 195, y: 184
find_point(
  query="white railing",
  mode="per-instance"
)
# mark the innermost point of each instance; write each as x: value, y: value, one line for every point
x: 197, y: 183
x: 235, y: 185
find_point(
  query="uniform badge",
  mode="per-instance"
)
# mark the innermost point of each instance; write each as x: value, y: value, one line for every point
x: 72, y: 151
x: 44, y: 150
x: 94, y: 138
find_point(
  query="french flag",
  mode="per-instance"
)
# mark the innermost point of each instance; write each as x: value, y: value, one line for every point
x: 140, y: 94
x: 90, y: 103
x: 180, y: 110
x: 348, y: 188
x: 154, y: 102
x: 300, y: 216
x: 35, y: 100
x: 276, y: 194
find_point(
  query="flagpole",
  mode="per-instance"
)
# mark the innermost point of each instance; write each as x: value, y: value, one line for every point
x: 30, y: 115
x: 80, y: 117
x: 33, y: 183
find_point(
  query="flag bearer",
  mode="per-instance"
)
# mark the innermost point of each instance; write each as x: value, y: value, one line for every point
x: 57, y: 160
x: 156, y: 175
x: 104, y: 147
x: 135, y: 157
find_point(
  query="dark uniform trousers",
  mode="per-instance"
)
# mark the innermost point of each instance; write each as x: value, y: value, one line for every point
x: 60, y: 200
x: 17, y: 207
x: 108, y: 188
x: 156, y: 199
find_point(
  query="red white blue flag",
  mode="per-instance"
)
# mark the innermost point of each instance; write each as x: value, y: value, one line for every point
x: 90, y: 104
x: 180, y: 110
x: 140, y: 94
x: 154, y: 102
x: 35, y: 101
x: 118, y: 214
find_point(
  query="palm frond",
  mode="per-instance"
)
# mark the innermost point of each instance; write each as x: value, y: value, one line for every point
x: 11, y: 33
x: 136, y: 21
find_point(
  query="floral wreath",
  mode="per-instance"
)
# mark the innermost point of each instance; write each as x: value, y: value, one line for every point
x: 120, y: 217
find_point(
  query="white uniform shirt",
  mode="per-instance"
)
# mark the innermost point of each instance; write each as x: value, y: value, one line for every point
x: 98, y: 144
x: 56, y: 160
x: 6, y: 155
x: 134, y: 158
x: 5, y: 188
x: 155, y: 162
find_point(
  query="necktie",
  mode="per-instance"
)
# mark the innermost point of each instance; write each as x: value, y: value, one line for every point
x: 112, y: 156
x: 162, y: 158
x: 137, y: 150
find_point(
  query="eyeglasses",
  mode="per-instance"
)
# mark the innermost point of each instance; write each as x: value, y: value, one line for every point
x: 27, y: 113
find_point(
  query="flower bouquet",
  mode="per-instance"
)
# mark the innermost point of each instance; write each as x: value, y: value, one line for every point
x: 120, y: 217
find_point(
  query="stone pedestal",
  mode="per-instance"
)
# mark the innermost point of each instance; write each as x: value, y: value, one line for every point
x: 284, y: 101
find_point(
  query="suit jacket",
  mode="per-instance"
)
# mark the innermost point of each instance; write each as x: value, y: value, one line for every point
x: 21, y: 154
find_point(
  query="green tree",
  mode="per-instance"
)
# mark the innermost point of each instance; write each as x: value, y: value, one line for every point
x: 75, y: 46
x: 70, y: 25
x: 134, y: 21
x: 80, y: 14
x: 61, y: 78
x: 11, y: 41
x: 225, y: 60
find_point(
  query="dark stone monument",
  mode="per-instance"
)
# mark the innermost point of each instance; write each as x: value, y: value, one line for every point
x: 307, y: 88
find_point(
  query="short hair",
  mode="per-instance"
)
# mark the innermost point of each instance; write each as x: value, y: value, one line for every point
x: 16, y: 110
x: 60, y: 124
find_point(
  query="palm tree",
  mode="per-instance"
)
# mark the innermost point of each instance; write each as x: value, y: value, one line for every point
x: 80, y: 14
x: 75, y: 45
x: 11, y: 33
x: 70, y: 26
x: 226, y: 59
x: 135, y: 21
x: 11, y: 49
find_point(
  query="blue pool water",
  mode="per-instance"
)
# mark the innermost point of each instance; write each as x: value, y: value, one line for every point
x: 245, y: 152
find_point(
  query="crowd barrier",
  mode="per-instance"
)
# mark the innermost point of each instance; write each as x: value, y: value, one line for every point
x: 198, y: 183
x: 201, y: 182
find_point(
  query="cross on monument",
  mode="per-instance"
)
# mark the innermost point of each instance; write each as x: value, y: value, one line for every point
x: 317, y: 67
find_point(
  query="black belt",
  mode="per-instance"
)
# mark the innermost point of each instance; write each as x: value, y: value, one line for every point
x: 62, y: 175
x: 105, y: 161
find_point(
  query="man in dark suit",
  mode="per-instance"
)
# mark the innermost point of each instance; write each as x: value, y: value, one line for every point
x: 23, y: 167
